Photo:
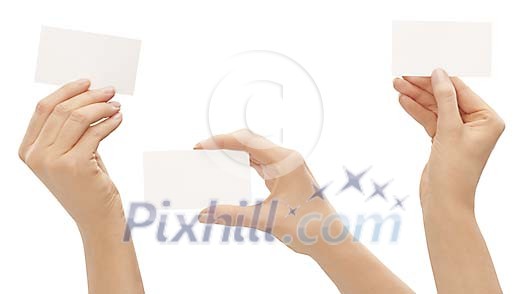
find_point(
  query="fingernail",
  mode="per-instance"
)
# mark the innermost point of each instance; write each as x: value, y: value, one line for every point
x: 115, y: 104
x: 82, y: 81
x: 439, y: 74
x: 118, y: 116
x: 108, y: 90
x: 197, y: 146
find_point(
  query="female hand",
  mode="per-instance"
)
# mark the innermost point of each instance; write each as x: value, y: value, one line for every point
x: 60, y: 147
x: 298, y: 214
x: 463, y: 128
x: 294, y: 194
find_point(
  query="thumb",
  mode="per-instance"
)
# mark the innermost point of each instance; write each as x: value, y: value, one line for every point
x: 446, y: 98
x: 228, y: 215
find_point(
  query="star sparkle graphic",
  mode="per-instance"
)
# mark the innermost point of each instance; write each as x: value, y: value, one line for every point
x: 292, y: 211
x: 399, y: 203
x: 379, y: 190
x: 353, y: 181
x: 319, y: 192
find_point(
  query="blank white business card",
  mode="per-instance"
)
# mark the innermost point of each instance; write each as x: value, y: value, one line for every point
x: 66, y: 55
x: 192, y: 179
x: 460, y: 48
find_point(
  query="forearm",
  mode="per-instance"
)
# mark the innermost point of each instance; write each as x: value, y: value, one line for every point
x: 111, y: 263
x: 354, y: 269
x: 460, y: 259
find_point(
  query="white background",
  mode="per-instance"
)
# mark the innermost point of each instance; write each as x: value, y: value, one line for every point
x: 344, y: 46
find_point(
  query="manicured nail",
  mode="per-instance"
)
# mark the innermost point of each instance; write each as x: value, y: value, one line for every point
x: 108, y: 90
x: 118, y: 116
x: 197, y: 146
x: 82, y: 81
x: 115, y: 104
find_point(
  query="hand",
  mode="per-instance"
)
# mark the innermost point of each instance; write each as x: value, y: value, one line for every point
x: 463, y: 128
x: 464, y: 131
x: 302, y: 217
x: 291, y: 187
x: 60, y: 147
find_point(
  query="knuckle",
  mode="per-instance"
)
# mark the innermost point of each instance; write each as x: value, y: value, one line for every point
x: 97, y: 95
x: 444, y: 91
x: 61, y: 109
x: 34, y: 161
x: 297, y: 155
x: 90, y: 95
x: 97, y: 133
x: 78, y: 117
x: 45, y: 163
x: 22, y: 153
x: 43, y: 107
x: 499, y: 124
x: 285, y: 163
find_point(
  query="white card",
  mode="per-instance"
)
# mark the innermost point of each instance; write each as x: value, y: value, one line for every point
x: 192, y: 179
x: 461, y: 49
x: 66, y: 55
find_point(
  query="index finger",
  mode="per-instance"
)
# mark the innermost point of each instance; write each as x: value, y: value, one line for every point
x: 46, y: 106
x: 421, y: 82
x: 271, y: 161
x: 261, y: 150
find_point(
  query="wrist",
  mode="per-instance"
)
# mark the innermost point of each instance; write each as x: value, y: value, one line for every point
x: 328, y: 235
x: 448, y: 196
x: 436, y: 207
x: 109, y: 228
